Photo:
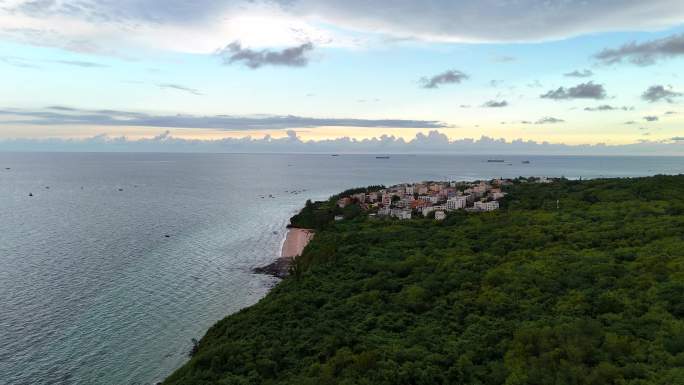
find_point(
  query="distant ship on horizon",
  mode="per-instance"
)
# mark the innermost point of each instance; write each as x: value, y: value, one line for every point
x: 382, y: 157
x: 495, y: 160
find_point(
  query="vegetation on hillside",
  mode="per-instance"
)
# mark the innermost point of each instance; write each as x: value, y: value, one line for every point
x: 318, y: 215
x: 574, y: 282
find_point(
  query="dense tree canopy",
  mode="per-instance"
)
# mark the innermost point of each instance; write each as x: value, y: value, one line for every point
x: 573, y: 282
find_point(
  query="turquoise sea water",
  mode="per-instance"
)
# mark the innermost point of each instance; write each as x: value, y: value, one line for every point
x: 118, y: 260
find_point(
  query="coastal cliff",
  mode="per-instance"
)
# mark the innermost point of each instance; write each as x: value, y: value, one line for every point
x: 569, y: 282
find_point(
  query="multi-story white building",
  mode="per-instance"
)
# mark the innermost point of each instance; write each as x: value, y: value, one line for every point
x: 496, y: 195
x: 456, y: 203
x: 486, y: 206
x: 401, y: 214
x: 427, y: 210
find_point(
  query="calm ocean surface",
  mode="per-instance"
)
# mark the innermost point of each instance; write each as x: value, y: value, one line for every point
x: 93, y: 292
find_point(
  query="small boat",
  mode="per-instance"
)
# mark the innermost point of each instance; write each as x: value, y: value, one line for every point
x: 382, y: 157
x: 495, y: 161
x: 525, y: 162
x: 335, y: 155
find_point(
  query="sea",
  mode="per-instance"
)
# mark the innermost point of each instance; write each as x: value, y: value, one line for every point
x: 118, y: 260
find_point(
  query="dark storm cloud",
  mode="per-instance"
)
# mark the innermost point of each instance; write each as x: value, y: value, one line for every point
x: 447, y: 77
x: 657, y: 93
x: 291, y: 57
x: 581, y: 91
x: 646, y: 53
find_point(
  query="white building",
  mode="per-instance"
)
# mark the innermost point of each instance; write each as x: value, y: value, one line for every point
x: 458, y: 202
x: 401, y: 214
x: 486, y: 206
x: 497, y: 195
x: 427, y: 210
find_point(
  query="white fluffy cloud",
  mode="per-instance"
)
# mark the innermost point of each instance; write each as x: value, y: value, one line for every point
x: 432, y: 142
x: 108, y: 26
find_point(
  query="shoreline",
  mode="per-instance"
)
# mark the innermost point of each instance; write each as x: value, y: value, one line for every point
x: 291, y: 247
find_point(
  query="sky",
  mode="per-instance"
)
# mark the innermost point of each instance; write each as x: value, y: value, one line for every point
x: 557, y: 76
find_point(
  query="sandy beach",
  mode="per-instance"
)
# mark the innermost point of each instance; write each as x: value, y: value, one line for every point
x: 295, y: 242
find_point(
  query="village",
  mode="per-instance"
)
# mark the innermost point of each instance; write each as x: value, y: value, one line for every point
x: 404, y: 201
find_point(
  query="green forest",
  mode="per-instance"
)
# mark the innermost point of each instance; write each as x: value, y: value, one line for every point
x: 572, y: 282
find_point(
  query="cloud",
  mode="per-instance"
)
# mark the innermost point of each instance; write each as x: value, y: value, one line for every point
x: 60, y: 115
x: 580, y: 91
x: 657, y: 93
x: 504, y: 59
x: 579, y: 74
x: 83, y: 64
x: 180, y: 88
x: 432, y: 142
x: 30, y: 63
x: 651, y: 118
x: 17, y: 62
x: 290, y: 57
x: 544, y: 120
x: 629, y: 123
x: 203, y: 25
x: 495, y: 104
x: 607, y: 107
x: 646, y: 53
x: 447, y: 77
x: 671, y: 113
x: 549, y: 120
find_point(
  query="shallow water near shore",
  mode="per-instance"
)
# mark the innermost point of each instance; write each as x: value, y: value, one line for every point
x: 118, y: 260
